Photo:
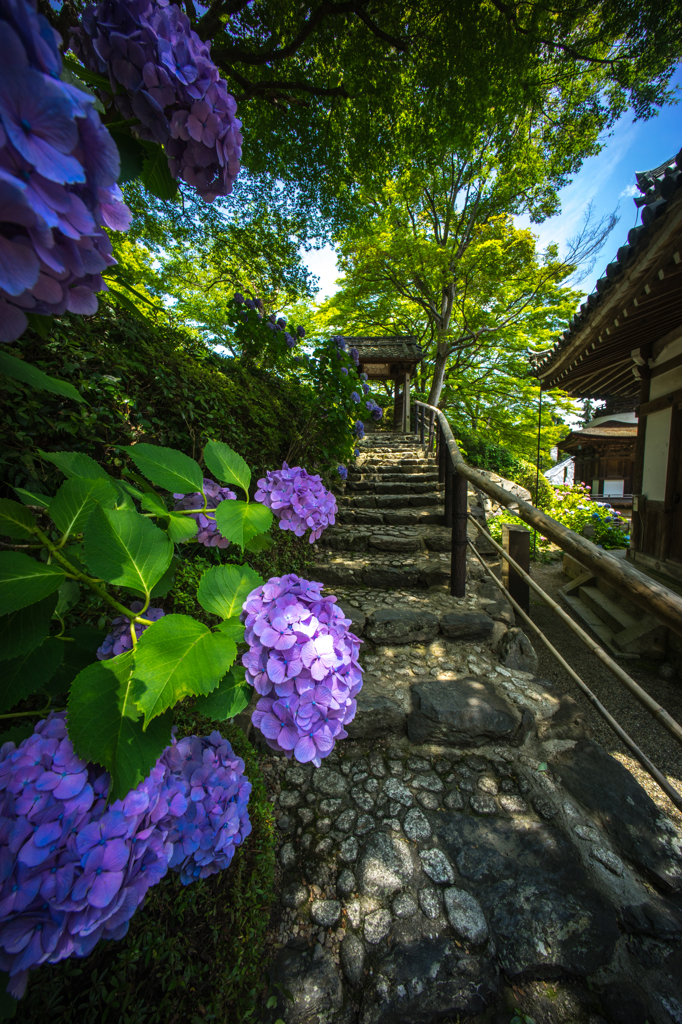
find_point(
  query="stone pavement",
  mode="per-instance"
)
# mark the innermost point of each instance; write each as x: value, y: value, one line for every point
x: 468, y: 849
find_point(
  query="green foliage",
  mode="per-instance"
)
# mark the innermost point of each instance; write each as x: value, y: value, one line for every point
x: 18, y: 369
x: 119, y: 709
x: 193, y: 952
x: 541, y: 491
x: 571, y: 506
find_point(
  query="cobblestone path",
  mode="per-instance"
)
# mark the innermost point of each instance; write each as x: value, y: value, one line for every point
x: 469, y: 849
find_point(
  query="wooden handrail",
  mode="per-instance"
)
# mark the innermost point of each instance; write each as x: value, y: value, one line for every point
x: 651, y: 597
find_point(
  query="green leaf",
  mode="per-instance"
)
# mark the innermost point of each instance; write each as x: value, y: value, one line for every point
x: 234, y: 628
x: 68, y: 596
x: 224, y: 588
x: 73, y: 503
x: 106, y: 727
x: 181, y: 528
x: 15, y: 520
x: 80, y: 646
x: 76, y: 464
x: 123, y: 300
x: 41, y: 324
x: 125, y: 549
x: 156, y: 177
x: 229, y: 699
x: 131, y: 154
x: 263, y: 542
x: 175, y: 657
x: 19, y: 369
x: 240, y: 522
x: 23, y: 580
x: 167, y: 468
x: 129, y: 489
x: 91, y: 77
x: 33, y: 497
x: 22, y: 631
x: 24, y: 675
x: 227, y: 465
x: 15, y: 736
x: 161, y: 588
x: 152, y: 502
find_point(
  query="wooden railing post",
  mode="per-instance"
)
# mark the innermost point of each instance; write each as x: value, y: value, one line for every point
x: 442, y: 455
x: 431, y: 437
x: 421, y: 425
x: 447, y: 496
x: 516, y: 542
x: 458, y: 560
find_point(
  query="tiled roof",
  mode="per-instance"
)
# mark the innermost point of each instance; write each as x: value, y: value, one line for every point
x: 399, y: 347
x: 658, y: 186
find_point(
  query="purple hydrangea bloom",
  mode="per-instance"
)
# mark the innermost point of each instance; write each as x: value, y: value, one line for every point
x: 356, y: 452
x: 377, y: 413
x: 75, y: 869
x: 120, y: 639
x: 303, y: 661
x: 300, y: 501
x: 363, y: 376
x: 301, y: 332
x: 290, y: 340
x: 342, y: 471
x: 365, y: 388
x: 355, y: 356
x: 359, y: 429
x: 162, y: 74
x: 209, y: 535
x: 355, y: 396
x: 340, y: 342
x: 344, y: 371
x: 58, y: 173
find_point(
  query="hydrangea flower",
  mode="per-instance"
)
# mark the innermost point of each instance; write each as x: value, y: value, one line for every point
x: 344, y: 371
x: 299, y: 500
x: 75, y: 869
x: 363, y: 376
x: 355, y: 356
x: 303, y: 661
x: 340, y: 342
x: 119, y: 640
x: 58, y: 171
x: 355, y: 396
x: 162, y: 75
x: 376, y: 410
x: 209, y: 535
x: 365, y: 388
x: 301, y: 332
x: 342, y: 471
x: 359, y: 429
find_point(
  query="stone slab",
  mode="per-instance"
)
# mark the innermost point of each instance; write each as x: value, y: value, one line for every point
x: 382, y: 710
x: 465, y: 625
x: 467, y: 711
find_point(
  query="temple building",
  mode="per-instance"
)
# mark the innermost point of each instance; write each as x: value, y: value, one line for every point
x: 603, y: 452
x: 394, y: 359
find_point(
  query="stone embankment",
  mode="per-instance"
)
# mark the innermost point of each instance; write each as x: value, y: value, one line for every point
x: 469, y: 849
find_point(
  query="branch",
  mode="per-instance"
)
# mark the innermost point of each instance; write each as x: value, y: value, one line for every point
x: 571, y: 51
x: 210, y: 23
x: 398, y: 44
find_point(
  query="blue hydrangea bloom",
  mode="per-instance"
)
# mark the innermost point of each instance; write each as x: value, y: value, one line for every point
x: 355, y: 396
x: 342, y: 471
x: 360, y: 429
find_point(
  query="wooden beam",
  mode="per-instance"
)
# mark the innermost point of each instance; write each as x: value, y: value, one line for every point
x: 664, y: 402
x: 669, y: 364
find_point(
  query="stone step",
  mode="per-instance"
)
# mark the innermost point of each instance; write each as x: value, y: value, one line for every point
x: 608, y: 610
x: 393, y: 476
x: 403, y: 517
x: 590, y: 618
x: 399, y: 486
x: 387, y: 538
x: 391, y: 501
x: 416, y: 571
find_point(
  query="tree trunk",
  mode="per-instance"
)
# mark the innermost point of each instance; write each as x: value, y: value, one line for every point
x: 442, y: 352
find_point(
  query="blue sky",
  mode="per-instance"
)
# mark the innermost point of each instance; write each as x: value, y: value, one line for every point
x: 608, y: 180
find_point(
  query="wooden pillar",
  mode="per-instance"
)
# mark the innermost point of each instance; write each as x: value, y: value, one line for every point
x: 421, y: 425
x: 516, y: 542
x: 406, y: 403
x: 432, y: 420
x: 448, y: 470
x: 442, y: 451
x: 395, y: 404
x: 637, y: 532
x: 458, y: 559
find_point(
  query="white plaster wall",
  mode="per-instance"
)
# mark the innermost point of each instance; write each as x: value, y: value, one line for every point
x: 672, y: 349
x: 667, y: 382
x: 656, y: 452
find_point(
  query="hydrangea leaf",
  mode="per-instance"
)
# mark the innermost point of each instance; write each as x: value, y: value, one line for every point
x: 24, y: 580
x: 263, y: 542
x: 15, y: 736
x: 76, y: 464
x: 161, y: 588
x: 22, y: 631
x: 19, y: 369
x: 15, y: 520
x: 24, y: 675
x: 175, y: 657
x: 67, y: 597
x: 229, y: 699
x: 181, y: 528
x: 227, y: 465
x: 234, y: 628
x: 153, y: 502
x: 106, y: 727
x: 156, y: 175
x: 125, y: 549
x: 240, y: 522
x: 73, y: 503
x: 79, y: 652
x: 224, y: 588
x: 167, y: 468
x: 33, y: 497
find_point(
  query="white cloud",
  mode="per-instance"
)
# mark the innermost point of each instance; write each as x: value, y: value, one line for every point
x: 629, y: 191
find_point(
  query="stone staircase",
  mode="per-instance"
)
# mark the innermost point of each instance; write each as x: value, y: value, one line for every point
x: 467, y: 849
